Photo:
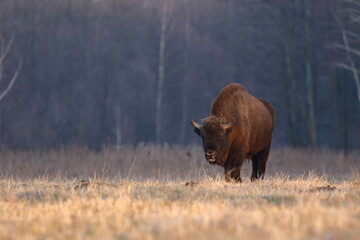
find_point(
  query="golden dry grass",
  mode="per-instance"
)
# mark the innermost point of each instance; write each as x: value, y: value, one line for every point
x: 138, y: 205
x: 278, y: 208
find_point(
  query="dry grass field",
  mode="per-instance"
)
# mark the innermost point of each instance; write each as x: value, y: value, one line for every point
x: 141, y: 193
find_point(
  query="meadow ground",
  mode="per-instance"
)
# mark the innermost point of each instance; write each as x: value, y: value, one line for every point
x: 141, y: 193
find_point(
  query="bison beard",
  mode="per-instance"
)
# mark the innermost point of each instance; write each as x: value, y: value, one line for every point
x: 239, y: 127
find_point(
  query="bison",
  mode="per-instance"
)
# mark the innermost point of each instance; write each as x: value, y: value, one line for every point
x: 239, y: 127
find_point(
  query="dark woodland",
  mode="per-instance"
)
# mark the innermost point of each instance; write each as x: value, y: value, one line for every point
x: 113, y: 72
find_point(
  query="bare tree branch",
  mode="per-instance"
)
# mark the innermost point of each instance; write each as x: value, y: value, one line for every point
x: 352, y: 64
x: 347, y: 48
x: 354, y: 35
x: 347, y: 67
x: 355, y: 2
x: 349, y: 53
x: 12, y: 81
x: 5, y: 51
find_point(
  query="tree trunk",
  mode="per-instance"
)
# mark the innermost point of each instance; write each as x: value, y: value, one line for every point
x: 230, y: 68
x: 186, y: 75
x: 352, y: 67
x: 310, y: 81
x: 340, y: 100
x: 294, y: 82
x: 161, y: 72
x: 293, y: 127
x: 311, y: 106
x: 118, y: 130
x: 4, y: 50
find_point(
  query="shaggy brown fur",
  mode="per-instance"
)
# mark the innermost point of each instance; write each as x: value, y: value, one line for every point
x: 239, y: 127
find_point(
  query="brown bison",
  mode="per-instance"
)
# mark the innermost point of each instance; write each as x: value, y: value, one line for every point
x: 239, y: 127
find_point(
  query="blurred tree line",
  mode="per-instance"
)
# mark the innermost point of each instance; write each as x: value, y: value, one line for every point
x: 98, y: 72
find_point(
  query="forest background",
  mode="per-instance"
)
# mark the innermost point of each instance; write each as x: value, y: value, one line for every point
x: 94, y: 73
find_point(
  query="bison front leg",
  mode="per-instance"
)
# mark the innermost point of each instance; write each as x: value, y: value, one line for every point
x: 232, y: 169
x: 232, y: 174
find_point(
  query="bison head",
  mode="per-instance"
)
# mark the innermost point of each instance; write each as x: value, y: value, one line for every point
x: 215, y: 134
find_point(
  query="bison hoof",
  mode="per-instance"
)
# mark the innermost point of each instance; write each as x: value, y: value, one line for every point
x: 234, y: 180
x: 254, y: 179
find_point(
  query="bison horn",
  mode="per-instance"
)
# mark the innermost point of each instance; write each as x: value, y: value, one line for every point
x: 195, y: 125
x: 227, y: 126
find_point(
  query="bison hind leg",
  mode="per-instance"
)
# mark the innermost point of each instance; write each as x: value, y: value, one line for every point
x: 255, y: 168
x: 259, y: 163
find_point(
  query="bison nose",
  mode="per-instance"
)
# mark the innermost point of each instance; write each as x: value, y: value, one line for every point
x: 210, y: 156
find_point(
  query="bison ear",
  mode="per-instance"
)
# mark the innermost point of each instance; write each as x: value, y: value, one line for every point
x: 227, y: 126
x: 196, y: 127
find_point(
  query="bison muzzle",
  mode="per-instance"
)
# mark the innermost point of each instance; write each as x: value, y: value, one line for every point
x: 239, y: 127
